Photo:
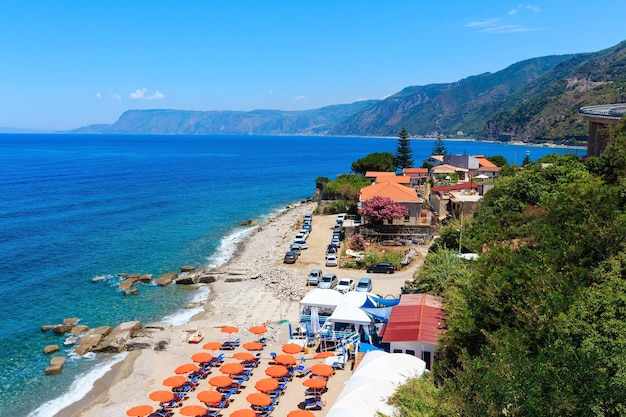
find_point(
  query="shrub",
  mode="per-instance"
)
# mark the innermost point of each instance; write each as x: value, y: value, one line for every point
x: 357, y: 242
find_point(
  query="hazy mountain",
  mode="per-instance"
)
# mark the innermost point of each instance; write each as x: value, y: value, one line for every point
x: 533, y: 99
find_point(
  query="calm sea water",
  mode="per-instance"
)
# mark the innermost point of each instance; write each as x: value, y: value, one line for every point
x: 73, y: 207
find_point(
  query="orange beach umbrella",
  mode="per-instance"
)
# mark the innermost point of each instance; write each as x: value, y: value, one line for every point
x: 244, y: 412
x: 201, y: 357
x: 174, y: 381
x: 139, y: 411
x: 231, y: 368
x: 243, y: 356
x: 260, y: 399
x: 287, y: 360
x: 266, y: 385
x: 315, y: 383
x: 258, y: 329
x: 323, y: 355
x: 300, y: 413
x: 221, y: 381
x: 292, y: 348
x: 186, y: 368
x: 162, y: 396
x: 252, y: 346
x: 229, y: 329
x: 210, y: 397
x: 212, y: 346
x: 193, y: 410
x: 276, y: 371
x: 321, y: 369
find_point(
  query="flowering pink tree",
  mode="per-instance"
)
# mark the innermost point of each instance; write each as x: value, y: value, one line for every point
x: 377, y: 210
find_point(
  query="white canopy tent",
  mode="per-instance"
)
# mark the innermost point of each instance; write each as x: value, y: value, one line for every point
x: 321, y: 298
x: 375, y: 380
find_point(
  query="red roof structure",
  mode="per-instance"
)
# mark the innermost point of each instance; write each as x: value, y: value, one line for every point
x: 457, y: 187
x: 417, y: 318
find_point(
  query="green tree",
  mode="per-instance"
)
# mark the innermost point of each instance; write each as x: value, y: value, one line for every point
x: 379, y: 161
x: 498, y: 160
x: 439, y: 148
x: 404, y: 154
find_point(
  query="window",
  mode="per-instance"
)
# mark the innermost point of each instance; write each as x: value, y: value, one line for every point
x: 410, y: 352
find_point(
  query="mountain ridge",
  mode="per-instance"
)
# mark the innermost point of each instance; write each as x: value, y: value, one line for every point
x: 533, y: 100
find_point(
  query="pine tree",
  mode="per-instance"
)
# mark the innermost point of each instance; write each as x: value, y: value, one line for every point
x: 439, y: 148
x: 404, y: 154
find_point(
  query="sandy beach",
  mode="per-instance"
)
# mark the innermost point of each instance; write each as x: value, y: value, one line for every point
x: 253, y: 288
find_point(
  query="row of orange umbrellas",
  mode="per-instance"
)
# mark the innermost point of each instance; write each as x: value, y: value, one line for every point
x: 248, y: 412
x: 197, y: 410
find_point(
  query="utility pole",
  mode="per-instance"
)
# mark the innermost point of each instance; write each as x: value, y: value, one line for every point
x: 461, y: 229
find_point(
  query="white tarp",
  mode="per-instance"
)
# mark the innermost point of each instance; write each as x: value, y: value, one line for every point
x: 350, y: 314
x: 375, y: 380
x: 321, y: 297
x: 353, y: 298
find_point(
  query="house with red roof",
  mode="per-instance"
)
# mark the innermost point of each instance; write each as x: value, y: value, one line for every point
x: 400, y: 194
x: 414, y: 326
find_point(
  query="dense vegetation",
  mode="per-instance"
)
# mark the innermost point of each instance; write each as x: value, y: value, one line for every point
x: 537, y: 325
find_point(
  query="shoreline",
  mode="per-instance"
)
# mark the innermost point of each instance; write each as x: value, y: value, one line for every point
x: 235, y: 276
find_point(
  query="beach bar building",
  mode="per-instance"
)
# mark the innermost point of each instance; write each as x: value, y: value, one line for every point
x: 414, y: 326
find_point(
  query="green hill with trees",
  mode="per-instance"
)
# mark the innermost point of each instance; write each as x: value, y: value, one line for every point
x: 537, y: 325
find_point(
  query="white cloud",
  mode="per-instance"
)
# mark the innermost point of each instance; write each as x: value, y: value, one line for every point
x: 140, y: 94
x: 483, y: 23
x: 109, y: 96
x: 522, y: 7
x: 270, y: 92
x: 298, y: 98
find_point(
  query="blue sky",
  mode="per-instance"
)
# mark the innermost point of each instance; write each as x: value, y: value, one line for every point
x: 66, y: 64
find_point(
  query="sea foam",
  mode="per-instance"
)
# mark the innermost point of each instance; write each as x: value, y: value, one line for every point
x: 79, y: 388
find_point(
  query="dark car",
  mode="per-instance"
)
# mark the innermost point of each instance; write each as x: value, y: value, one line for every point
x: 382, y: 267
x: 290, y: 257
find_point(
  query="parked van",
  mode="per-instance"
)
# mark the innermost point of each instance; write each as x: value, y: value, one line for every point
x: 314, y: 276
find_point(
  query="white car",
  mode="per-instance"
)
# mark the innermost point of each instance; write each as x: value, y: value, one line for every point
x: 345, y: 285
x: 336, y: 242
x: 302, y: 243
x: 331, y: 260
x: 300, y: 236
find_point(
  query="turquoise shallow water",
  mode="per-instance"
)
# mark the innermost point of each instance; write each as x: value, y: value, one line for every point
x: 73, y: 207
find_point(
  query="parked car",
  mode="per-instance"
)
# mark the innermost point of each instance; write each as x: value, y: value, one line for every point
x: 337, y: 228
x: 340, y: 218
x: 302, y: 243
x: 300, y: 236
x: 364, y: 285
x: 304, y: 232
x: 382, y: 267
x: 331, y: 259
x: 308, y: 218
x: 345, y: 285
x: 332, y: 249
x: 328, y: 281
x: 314, y: 276
x: 307, y: 227
x: 294, y: 247
x: 290, y: 257
x: 336, y: 242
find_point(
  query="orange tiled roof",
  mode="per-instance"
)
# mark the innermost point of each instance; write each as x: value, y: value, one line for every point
x: 390, y: 189
x: 374, y: 174
x: 409, y: 171
x: 484, y: 162
x: 418, y: 318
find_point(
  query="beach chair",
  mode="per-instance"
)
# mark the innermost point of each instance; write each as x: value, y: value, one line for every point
x: 272, y: 358
x: 313, y: 403
x: 303, y: 370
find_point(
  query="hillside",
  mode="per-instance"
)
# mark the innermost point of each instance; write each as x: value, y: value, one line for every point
x: 257, y: 122
x: 535, y: 99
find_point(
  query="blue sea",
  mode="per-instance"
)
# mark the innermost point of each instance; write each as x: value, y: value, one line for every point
x: 73, y: 207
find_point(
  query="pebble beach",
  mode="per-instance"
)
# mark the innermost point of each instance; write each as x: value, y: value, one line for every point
x: 254, y: 287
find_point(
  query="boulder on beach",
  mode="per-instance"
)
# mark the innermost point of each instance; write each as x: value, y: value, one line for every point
x: 145, y: 278
x: 158, y: 326
x: 50, y: 349
x: 187, y: 268
x: 70, y: 320
x: 166, y: 279
x: 47, y: 327
x: 137, y: 343
x: 127, y: 283
x: 76, y: 330
x: 99, y: 278
x: 131, y: 291
x: 56, y: 365
x: 117, y: 339
x: 206, y: 279
x: 91, y: 339
x: 186, y: 281
x: 62, y: 328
